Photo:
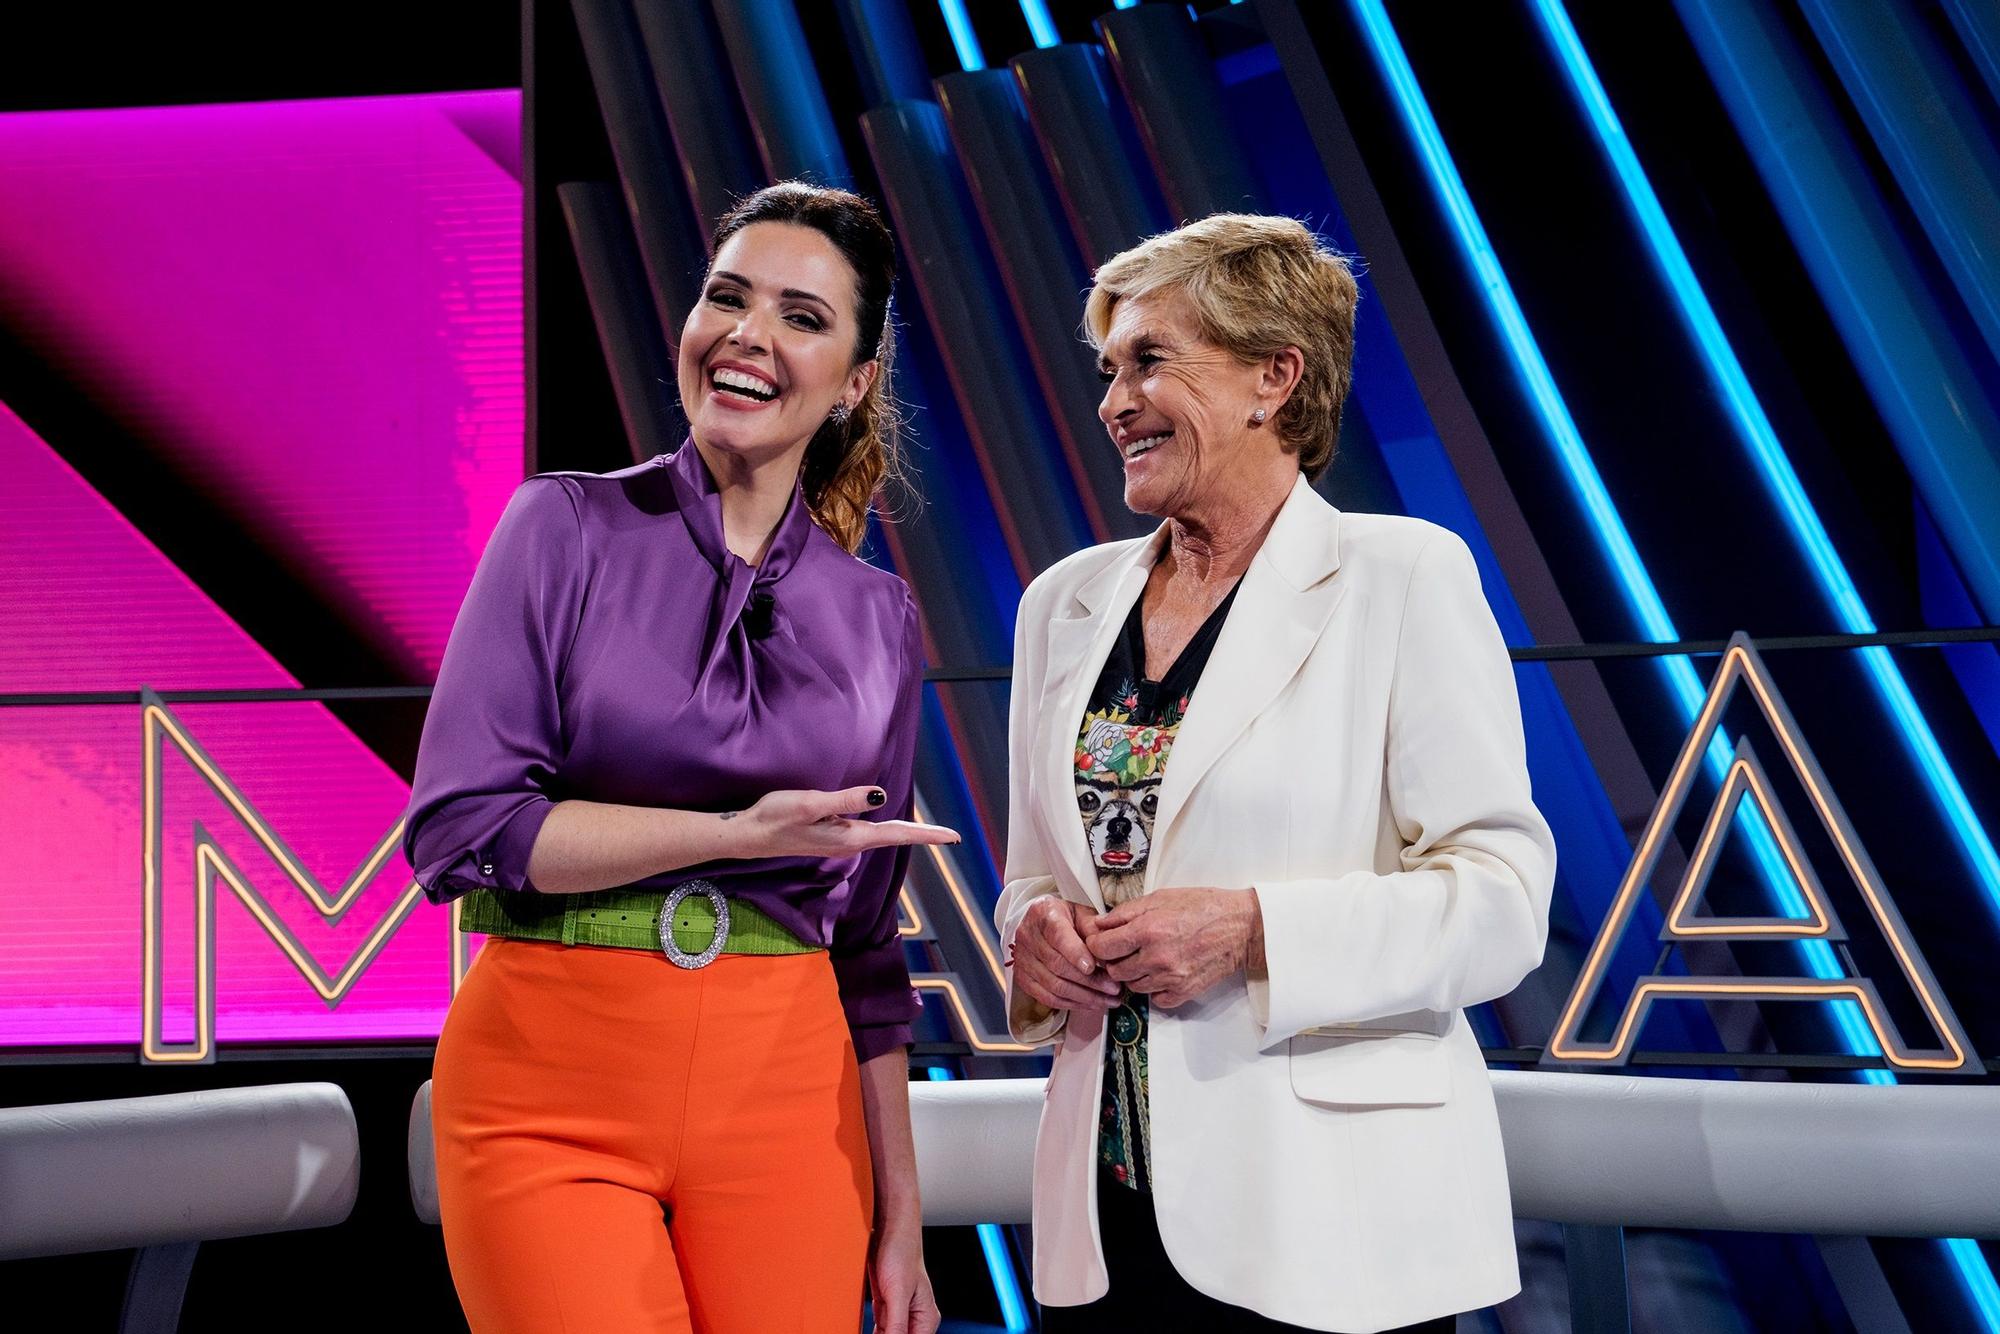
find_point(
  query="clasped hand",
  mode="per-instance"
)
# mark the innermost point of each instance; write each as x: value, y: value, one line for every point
x: 1171, y: 946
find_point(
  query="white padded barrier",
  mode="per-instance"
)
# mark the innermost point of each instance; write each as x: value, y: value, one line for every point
x: 976, y: 1148
x: 179, y: 1167
x: 423, y: 1157
x: 1581, y: 1148
x: 1832, y: 1159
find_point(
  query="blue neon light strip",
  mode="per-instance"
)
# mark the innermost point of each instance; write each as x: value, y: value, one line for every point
x: 1013, y: 1310
x: 1807, y: 530
x: 1040, y: 26
x: 1977, y: 1277
x: 1642, y: 596
x: 1772, y: 462
x: 962, y: 34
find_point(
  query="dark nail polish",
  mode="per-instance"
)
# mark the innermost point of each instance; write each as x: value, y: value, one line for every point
x: 876, y: 796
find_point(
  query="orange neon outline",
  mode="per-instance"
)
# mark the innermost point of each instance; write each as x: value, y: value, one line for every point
x: 1779, y: 989
x: 461, y: 947
x: 1740, y: 659
x: 209, y: 864
x: 1746, y: 778
x: 946, y: 984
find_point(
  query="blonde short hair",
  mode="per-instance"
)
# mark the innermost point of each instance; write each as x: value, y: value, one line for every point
x: 1257, y: 284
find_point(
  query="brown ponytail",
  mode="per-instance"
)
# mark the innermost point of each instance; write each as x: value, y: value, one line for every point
x: 848, y: 462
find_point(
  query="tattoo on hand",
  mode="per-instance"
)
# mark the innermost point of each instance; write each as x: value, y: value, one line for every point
x: 731, y: 815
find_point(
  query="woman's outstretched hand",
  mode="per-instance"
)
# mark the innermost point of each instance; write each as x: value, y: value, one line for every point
x: 823, y: 824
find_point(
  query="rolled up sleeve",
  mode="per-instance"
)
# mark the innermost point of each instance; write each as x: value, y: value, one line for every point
x: 868, y: 959
x: 492, y: 741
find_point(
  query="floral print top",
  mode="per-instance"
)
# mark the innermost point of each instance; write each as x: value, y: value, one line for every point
x: 1122, y: 748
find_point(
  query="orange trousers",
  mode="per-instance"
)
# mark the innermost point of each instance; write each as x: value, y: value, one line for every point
x: 624, y: 1145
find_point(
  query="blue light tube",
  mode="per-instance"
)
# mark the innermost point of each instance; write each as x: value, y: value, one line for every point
x: 1641, y: 595
x: 1808, y: 532
x: 1977, y: 1276
x: 1040, y: 26
x: 963, y: 36
x: 1013, y: 1311
x: 1769, y: 455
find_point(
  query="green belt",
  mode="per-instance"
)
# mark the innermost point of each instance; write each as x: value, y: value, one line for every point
x: 624, y: 919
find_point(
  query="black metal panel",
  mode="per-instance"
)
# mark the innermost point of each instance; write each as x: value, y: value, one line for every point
x: 1044, y: 278
x: 1169, y: 80
x: 156, y: 1286
x: 58, y: 57
x: 781, y: 92
x: 642, y: 366
x: 662, y: 218
x: 1091, y: 147
x: 691, y: 78
x: 989, y: 371
x: 571, y: 414
x: 1596, y: 1260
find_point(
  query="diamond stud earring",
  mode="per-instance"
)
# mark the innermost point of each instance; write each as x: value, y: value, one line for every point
x: 1257, y: 417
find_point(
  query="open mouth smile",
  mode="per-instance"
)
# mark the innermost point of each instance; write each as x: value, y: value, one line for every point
x: 1132, y: 449
x: 742, y: 384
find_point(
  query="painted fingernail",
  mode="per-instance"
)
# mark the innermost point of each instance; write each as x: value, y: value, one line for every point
x: 876, y: 796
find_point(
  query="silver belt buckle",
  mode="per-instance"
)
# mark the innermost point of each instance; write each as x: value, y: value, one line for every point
x: 675, y: 954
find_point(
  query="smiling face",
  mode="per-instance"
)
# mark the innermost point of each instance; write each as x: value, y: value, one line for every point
x: 1177, y: 407
x: 768, y: 350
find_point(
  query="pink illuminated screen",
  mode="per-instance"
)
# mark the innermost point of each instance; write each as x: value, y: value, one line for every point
x: 310, y: 313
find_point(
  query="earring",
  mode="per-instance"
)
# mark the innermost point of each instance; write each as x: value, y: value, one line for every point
x: 1257, y: 417
x: 839, y: 414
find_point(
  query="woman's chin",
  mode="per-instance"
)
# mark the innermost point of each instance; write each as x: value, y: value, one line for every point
x: 738, y: 431
x: 1146, y: 493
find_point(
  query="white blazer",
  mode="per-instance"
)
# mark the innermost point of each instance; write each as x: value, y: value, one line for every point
x: 1324, y: 1144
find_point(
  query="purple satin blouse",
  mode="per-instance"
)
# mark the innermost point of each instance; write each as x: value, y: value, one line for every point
x: 604, y: 653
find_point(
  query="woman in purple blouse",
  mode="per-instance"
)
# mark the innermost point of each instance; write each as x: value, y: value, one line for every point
x: 668, y: 769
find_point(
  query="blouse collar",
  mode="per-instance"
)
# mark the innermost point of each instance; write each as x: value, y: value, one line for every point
x: 700, y: 502
x: 747, y: 611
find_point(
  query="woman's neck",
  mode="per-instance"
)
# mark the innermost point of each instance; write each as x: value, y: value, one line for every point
x: 755, y: 495
x: 1216, y: 543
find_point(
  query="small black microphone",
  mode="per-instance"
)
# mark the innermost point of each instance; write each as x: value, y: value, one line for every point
x: 759, y: 616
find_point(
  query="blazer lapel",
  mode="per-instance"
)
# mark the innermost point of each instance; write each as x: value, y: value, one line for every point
x: 1078, y: 645
x: 1288, y: 596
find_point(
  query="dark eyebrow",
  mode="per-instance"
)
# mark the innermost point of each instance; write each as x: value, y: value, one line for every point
x: 789, y: 293
x: 794, y: 294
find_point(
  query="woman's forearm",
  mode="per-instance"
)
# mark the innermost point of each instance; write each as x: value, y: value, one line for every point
x: 585, y: 846
x: 885, y: 1106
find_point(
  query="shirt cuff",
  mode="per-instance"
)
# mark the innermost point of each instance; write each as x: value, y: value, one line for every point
x: 872, y: 1040
x: 501, y: 862
x: 875, y: 992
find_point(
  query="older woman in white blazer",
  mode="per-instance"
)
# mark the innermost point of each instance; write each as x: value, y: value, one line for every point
x: 1271, y: 833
